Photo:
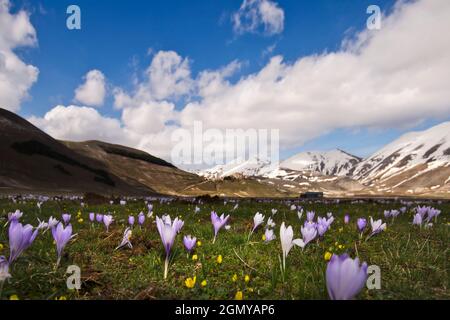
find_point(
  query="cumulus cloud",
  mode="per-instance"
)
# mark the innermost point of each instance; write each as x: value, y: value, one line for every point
x: 263, y: 16
x: 167, y: 77
x: 396, y: 76
x: 92, y: 92
x: 16, y: 77
x: 81, y: 124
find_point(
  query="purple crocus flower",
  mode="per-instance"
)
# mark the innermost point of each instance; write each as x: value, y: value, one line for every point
x: 131, y: 220
x: 422, y: 211
x: 168, y: 231
x: 4, y: 270
x: 15, y: 216
x: 269, y: 235
x: 361, y: 223
x: 346, y: 219
x: 345, y: 277
x: 321, y: 229
x: 52, y: 222
x: 189, y: 242
x: 310, y: 215
x: 309, y: 232
x: 394, y: 213
x: 322, y: 226
x: 99, y: 217
x: 66, y: 218
x: 141, y: 218
x: 433, y: 213
x: 417, y: 219
x: 377, y: 226
x: 92, y: 216
x: 20, y: 238
x: 218, y: 222
x: 61, y: 236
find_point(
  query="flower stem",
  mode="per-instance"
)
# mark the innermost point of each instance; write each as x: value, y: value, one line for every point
x: 57, y: 262
x: 166, y: 266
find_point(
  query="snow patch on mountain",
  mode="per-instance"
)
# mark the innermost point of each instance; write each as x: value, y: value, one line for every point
x: 423, y: 151
x: 331, y: 163
x: 239, y: 168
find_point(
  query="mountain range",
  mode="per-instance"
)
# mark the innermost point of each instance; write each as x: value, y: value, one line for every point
x: 416, y: 164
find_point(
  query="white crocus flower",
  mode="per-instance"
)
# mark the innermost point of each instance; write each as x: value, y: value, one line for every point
x: 287, y: 242
x: 258, y: 219
x: 270, y: 223
x: 377, y: 226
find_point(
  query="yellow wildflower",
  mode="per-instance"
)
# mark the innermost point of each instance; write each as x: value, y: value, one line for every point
x: 263, y: 237
x: 14, y: 297
x: 327, y: 256
x: 80, y: 220
x: 190, y: 282
x: 247, y: 278
x: 204, y: 283
x: 341, y: 246
x: 219, y: 259
x: 239, y: 295
x: 234, y: 277
x: 199, y: 243
x: 1, y: 247
x: 250, y: 289
x: 194, y: 257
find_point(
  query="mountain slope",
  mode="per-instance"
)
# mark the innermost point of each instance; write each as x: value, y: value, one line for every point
x: 238, y: 168
x: 33, y: 161
x: 330, y: 163
x: 417, y: 160
x: 133, y: 166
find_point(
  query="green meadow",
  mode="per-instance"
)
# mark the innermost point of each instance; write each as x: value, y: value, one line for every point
x: 414, y: 262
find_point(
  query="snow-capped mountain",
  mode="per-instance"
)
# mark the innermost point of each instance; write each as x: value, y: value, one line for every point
x: 238, y: 168
x: 330, y: 163
x: 408, y: 157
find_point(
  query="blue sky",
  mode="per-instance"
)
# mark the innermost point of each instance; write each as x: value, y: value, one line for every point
x: 120, y: 38
x: 116, y: 35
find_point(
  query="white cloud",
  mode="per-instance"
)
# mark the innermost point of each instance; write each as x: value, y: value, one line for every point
x: 149, y: 117
x: 92, y: 92
x: 258, y: 16
x: 80, y: 124
x: 167, y: 77
x: 16, y: 77
x: 397, y: 76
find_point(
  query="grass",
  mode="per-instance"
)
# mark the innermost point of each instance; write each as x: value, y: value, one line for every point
x: 413, y: 261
